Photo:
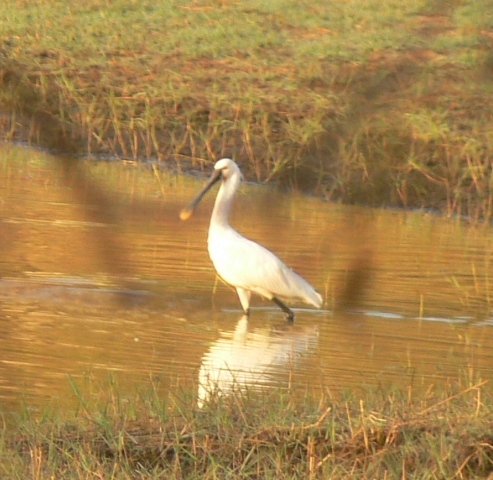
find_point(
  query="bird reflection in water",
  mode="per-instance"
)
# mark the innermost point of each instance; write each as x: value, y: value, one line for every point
x: 250, y: 357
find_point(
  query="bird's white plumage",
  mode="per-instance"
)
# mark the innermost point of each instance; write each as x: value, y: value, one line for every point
x: 243, y: 263
x: 249, y: 266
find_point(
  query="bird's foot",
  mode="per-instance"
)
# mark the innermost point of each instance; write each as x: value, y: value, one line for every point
x: 288, y: 312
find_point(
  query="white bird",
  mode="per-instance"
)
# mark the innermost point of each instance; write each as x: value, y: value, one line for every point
x: 244, y: 264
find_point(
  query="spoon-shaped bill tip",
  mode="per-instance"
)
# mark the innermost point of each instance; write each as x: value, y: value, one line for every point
x: 186, y: 213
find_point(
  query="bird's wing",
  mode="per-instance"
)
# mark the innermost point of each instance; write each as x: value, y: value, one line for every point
x: 246, y: 264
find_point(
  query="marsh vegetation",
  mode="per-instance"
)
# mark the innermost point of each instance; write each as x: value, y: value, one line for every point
x: 366, y: 435
x: 382, y: 103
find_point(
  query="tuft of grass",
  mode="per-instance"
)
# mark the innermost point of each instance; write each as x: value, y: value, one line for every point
x: 443, y: 433
x: 383, y: 103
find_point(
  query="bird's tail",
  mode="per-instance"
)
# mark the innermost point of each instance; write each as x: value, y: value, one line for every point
x: 314, y: 298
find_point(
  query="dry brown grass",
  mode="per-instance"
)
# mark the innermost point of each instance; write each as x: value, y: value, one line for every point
x: 441, y: 434
x: 391, y: 108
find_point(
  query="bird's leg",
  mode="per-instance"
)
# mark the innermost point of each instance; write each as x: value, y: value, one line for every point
x: 289, y: 313
x: 244, y: 296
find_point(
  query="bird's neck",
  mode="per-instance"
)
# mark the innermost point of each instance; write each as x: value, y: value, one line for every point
x: 224, y: 200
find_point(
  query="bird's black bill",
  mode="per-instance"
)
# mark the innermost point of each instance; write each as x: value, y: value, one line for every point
x: 187, y: 212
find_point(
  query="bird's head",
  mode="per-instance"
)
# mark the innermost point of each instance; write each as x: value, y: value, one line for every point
x: 223, y: 169
x: 226, y: 167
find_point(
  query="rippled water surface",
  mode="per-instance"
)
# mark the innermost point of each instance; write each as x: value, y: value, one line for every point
x: 101, y: 280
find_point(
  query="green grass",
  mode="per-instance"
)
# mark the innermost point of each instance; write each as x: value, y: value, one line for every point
x: 382, y: 103
x: 443, y: 433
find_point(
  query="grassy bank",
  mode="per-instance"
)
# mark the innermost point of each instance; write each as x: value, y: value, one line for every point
x: 444, y: 433
x: 380, y: 102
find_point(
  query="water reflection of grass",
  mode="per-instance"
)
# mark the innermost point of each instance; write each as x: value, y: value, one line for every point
x: 444, y: 433
x: 376, y: 102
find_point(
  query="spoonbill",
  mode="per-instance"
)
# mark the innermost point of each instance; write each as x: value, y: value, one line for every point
x: 244, y: 264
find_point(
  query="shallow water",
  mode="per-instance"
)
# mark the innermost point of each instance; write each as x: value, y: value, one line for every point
x: 101, y: 281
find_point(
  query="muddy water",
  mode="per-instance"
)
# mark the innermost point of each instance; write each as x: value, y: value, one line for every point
x: 101, y: 282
